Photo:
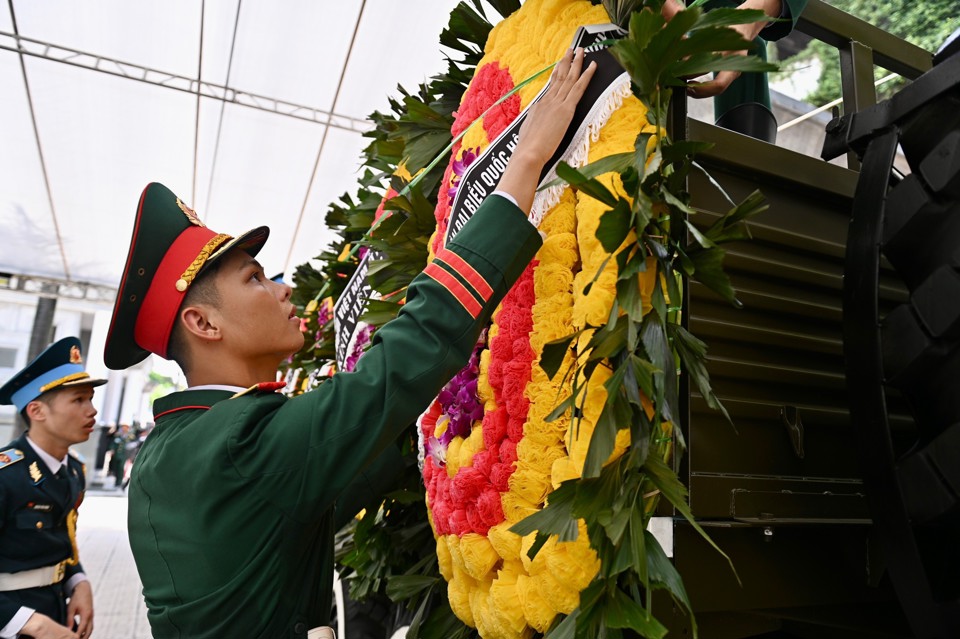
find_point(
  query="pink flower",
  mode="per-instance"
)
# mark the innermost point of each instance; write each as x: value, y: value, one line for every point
x: 363, y: 338
x: 437, y: 450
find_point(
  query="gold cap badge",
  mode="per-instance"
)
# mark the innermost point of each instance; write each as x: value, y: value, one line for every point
x: 191, y: 215
x: 75, y: 355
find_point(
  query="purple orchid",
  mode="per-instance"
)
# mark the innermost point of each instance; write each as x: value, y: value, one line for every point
x: 459, y: 168
x: 458, y: 399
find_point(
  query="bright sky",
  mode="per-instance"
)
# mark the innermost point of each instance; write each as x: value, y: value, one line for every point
x: 104, y: 138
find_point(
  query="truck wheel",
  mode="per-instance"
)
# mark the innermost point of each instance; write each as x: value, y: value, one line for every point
x: 909, y: 230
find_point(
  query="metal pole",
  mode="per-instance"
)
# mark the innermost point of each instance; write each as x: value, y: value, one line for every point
x: 39, y: 339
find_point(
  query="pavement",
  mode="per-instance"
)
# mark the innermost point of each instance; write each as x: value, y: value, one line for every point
x: 118, y: 608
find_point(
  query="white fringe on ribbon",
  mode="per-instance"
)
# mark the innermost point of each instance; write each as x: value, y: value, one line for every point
x: 576, y: 156
x: 421, y: 442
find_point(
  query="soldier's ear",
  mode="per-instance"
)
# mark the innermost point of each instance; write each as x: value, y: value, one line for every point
x: 201, y: 321
x: 36, y: 410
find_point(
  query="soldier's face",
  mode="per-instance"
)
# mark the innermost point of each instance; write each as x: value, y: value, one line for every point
x: 68, y: 416
x: 257, y: 318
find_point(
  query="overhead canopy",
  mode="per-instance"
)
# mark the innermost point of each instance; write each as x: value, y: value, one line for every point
x: 100, y: 98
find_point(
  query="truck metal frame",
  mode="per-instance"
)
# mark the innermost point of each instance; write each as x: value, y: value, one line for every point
x: 803, y: 493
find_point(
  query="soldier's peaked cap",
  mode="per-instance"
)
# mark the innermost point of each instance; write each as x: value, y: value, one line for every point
x: 170, y: 247
x: 58, y: 366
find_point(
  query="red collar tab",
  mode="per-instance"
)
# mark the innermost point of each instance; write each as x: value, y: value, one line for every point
x: 262, y: 387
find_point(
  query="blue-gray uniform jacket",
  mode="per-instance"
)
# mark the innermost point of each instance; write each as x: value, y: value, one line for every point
x: 35, y: 506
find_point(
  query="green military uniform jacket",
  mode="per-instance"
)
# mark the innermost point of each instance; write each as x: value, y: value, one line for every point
x: 234, y: 501
x: 753, y: 87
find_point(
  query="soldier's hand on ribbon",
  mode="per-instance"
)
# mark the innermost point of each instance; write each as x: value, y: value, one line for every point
x: 548, y: 119
x: 40, y: 626
x: 546, y: 123
x: 80, y: 609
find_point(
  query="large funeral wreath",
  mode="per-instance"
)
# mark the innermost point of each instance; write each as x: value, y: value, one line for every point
x: 535, y: 471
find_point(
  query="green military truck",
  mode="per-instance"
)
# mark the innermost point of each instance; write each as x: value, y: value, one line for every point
x: 836, y: 498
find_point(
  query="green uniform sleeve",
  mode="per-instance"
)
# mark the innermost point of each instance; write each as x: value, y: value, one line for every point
x: 790, y: 14
x: 370, y: 485
x: 316, y: 444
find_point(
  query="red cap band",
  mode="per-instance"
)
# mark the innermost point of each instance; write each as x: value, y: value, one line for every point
x: 163, y: 300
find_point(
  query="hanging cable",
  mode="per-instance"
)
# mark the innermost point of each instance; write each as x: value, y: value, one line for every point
x: 223, y: 106
x: 323, y: 140
x: 196, y: 124
x: 43, y: 163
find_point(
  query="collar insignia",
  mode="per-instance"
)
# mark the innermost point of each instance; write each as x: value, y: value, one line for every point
x: 35, y: 473
x: 191, y: 215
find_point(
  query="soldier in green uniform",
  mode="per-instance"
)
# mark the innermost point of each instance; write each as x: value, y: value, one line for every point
x: 237, y: 493
x: 41, y: 487
x: 742, y: 100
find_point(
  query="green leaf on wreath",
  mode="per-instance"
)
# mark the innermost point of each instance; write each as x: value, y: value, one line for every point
x: 402, y: 587
x: 601, y: 440
x: 608, y: 340
x: 675, y: 492
x: 638, y: 542
x: 708, y: 270
x: 703, y: 241
x: 567, y: 628
x: 621, y: 611
x: 589, y: 186
x: 614, y: 226
x: 692, y: 353
x: 611, y: 164
x: 667, y: 44
x: 732, y: 226
x: 728, y: 17
x: 554, y: 352
x: 663, y: 574
x: 712, y: 40
x: 568, y: 404
x: 632, y: 266
x: 630, y: 298
x: 467, y: 31
x: 556, y: 518
x: 630, y: 51
x: 643, y: 372
x: 620, y: 10
x: 701, y: 63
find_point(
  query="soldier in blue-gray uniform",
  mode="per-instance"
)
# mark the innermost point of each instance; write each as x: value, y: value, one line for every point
x: 44, y: 592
